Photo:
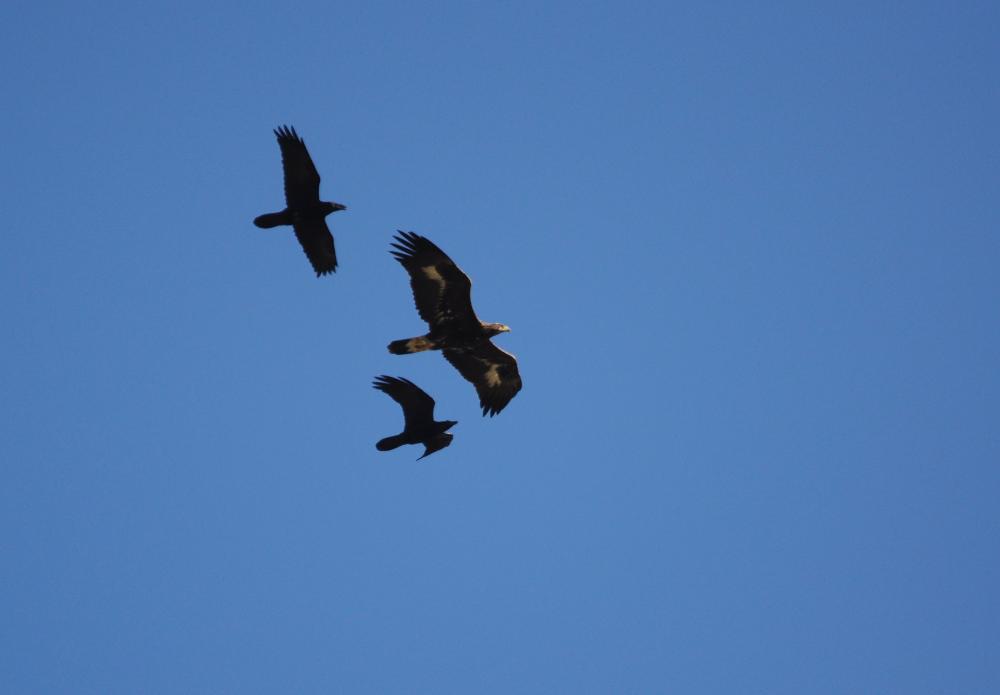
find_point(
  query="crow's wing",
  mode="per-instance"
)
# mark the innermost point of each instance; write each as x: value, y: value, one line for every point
x: 317, y: 242
x: 301, y: 177
x: 418, y: 407
x: 492, y: 371
x: 441, y: 291
x: 436, y: 443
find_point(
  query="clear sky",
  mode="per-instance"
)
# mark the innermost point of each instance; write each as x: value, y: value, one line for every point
x: 749, y: 255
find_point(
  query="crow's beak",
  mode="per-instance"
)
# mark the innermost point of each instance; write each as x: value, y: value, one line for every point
x: 338, y: 207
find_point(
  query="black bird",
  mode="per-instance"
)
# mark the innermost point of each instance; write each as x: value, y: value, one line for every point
x: 305, y: 211
x: 443, y: 295
x: 418, y: 415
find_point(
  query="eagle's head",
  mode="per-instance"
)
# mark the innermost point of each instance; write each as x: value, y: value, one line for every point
x: 496, y: 328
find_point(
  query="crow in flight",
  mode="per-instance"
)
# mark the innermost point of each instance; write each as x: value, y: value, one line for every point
x: 418, y: 414
x: 443, y: 295
x: 305, y: 211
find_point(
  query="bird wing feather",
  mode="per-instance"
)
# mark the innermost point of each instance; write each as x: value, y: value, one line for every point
x: 441, y: 291
x: 418, y: 407
x: 317, y: 242
x: 491, y: 370
x: 301, y: 176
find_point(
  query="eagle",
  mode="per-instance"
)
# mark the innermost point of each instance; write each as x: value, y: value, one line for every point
x: 418, y: 415
x: 443, y: 295
x: 305, y: 212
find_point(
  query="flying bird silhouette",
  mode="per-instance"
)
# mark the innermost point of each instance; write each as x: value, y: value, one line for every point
x: 443, y: 295
x: 418, y: 416
x: 304, y: 211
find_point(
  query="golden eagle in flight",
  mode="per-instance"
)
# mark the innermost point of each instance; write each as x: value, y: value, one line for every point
x: 443, y: 295
x: 305, y: 212
x: 418, y: 417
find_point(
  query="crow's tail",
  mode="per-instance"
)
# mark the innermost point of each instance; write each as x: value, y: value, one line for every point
x: 390, y: 443
x: 273, y: 219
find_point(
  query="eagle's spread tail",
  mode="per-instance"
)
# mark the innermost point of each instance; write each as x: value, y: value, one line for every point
x: 272, y: 219
x: 390, y: 443
x: 408, y: 345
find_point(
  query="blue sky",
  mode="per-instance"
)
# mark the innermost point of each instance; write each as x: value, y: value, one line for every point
x: 749, y: 258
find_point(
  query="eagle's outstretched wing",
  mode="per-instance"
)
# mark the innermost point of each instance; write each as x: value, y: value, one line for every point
x: 441, y: 291
x: 317, y: 242
x: 418, y: 407
x: 301, y: 177
x: 491, y: 370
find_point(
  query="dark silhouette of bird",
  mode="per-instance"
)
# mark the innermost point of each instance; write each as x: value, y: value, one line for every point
x: 443, y: 295
x: 418, y: 416
x: 304, y: 211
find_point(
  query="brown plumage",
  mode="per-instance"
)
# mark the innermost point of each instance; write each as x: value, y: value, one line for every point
x: 443, y: 295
